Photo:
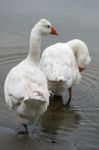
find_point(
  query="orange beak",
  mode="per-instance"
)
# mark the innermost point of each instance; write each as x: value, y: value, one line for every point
x: 81, y: 69
x: 53, y: 31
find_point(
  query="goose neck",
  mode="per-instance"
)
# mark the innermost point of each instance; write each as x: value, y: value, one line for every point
x: 35, y: 46
x: 76, y: 48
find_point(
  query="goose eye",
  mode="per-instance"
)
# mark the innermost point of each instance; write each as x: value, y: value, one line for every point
x: 48, y: 26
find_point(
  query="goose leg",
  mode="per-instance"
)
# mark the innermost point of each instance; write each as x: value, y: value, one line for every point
x: 70, y: 96
x: 25, y: 131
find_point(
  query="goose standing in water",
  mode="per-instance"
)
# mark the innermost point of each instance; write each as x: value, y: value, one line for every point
x: 62, y: 64
x: 25, y: 88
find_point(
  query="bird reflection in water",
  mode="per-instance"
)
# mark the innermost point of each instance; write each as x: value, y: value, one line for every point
x: 59, y: 120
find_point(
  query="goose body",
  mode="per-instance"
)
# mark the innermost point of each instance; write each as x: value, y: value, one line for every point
x: 61, y: 64
x: 26, y: 91
x: 25, y: 88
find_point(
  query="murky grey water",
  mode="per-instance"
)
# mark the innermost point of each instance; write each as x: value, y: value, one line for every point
x: 75, y: 128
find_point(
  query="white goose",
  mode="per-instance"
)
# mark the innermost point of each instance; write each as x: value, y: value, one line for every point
x: 62, y: 64
x: 25, y: 88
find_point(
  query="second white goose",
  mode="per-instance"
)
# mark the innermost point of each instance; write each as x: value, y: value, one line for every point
x: 62, y: 64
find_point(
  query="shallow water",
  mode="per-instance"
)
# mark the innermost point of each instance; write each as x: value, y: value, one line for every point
x: 75, y: 128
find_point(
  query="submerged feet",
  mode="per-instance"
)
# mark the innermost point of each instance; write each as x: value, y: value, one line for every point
x: 25, y: 132
x: 70, y: 97
x: 68, y: 103
x: 53, y: 96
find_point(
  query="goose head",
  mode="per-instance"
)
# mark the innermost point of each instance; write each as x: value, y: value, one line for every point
x: 45, y: 27
x: 83, y: 61
x: 81, y: 53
